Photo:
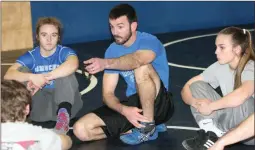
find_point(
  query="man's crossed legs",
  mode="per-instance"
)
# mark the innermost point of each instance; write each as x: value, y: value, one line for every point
x: 152, y: 97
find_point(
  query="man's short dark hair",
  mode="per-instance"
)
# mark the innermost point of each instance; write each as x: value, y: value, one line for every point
x: 123, y: 10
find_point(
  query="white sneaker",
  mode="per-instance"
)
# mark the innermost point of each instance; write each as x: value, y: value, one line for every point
x: 208, y: 125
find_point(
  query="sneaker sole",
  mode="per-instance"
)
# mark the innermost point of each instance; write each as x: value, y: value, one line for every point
x: 186, y: 146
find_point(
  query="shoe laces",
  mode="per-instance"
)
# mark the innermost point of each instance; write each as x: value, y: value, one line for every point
x: 62, y: 121
x: 145, y: 136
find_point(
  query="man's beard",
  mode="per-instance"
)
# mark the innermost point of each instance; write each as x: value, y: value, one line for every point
x: 124, y: 40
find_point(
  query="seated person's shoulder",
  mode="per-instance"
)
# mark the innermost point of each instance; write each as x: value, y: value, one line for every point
x: 147, y: 36
x: 34, y: 129
x: 249, y: 65
x: 20, y: 133
x: 46, y: 137
x: 64, y: 47
x: 61, y: 48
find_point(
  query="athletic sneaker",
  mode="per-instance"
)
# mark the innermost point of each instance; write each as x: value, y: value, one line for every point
x: 202, y: 141
x: 161, y: 128
x: 137, y: 137
x: 62, y: 125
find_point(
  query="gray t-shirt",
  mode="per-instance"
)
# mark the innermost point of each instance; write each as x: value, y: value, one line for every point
x: 221, y: 75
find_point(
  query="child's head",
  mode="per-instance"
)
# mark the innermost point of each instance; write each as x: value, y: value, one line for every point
x: 15, y: 101
x: 234, y: 47
x: 48, y: 32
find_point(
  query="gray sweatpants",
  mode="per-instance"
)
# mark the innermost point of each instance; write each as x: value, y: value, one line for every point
x: 45, y: 101
x: 224, y: 119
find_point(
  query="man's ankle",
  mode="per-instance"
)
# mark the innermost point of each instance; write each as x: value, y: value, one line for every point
x: 149, y: 127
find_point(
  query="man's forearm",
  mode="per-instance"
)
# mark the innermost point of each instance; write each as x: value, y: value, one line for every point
x: 113, y: 102
x: 126, y: 62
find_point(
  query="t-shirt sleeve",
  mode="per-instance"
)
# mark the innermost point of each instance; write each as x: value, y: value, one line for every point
x: 65, y: 53
x: 209, y: 75
x: 110, y: 54
x: 248, y: 72
x: 26, y: 60
x: 50, y: 140
x: 150, y: 44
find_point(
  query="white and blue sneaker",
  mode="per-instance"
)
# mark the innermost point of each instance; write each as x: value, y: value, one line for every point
x: 137, y: 137
x: 161, y: 128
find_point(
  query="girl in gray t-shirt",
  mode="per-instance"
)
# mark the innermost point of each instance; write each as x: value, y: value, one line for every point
x: 234, y: 74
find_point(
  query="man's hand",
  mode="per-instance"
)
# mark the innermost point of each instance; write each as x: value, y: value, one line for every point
x: 95, y: 65
x: 204, y: 107
x: 38, y: 80
x: 133, y: 116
